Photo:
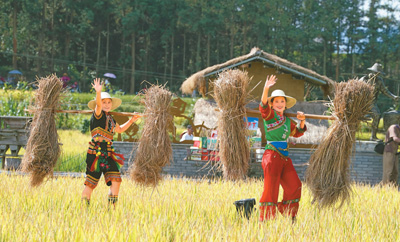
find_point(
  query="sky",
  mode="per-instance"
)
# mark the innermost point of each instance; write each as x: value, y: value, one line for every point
x: 394, y: 3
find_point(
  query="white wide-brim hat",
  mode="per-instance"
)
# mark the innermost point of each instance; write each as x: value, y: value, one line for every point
x: 290, y: 101
x: 116, y: 102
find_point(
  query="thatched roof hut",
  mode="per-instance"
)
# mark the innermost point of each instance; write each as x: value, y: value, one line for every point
x: 259, y: 64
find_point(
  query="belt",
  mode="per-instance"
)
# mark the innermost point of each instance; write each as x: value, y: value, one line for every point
x: 280, y: 146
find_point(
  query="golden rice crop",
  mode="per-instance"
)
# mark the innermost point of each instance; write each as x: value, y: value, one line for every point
x: 184, y: 210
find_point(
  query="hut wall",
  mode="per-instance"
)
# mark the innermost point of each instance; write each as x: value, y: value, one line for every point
x: 366, y: 164
x: 286, y: 82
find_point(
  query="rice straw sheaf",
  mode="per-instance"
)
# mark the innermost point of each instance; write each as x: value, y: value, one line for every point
x: 328, y: 175
x: 154, y: 150
x: 230, y: 93
x: 43, y: 148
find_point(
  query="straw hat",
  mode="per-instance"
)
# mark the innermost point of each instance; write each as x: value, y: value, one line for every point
x: 376, y: 68
x: 290, y: 101
x: 115, y: 101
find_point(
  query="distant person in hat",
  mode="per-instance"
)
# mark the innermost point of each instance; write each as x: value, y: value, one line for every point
x: 101, y: 157
x: 374, y: 79
x: 188, y: 134
x: 278, y: 167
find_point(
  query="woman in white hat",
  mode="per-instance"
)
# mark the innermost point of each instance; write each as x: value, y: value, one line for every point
x: 278, y: 167
x: 101, y: 158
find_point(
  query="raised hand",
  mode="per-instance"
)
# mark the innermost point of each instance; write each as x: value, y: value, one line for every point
x: 270, y: 81
x: 97, y: 85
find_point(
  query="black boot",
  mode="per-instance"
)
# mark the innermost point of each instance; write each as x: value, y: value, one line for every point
x: 112, y: 200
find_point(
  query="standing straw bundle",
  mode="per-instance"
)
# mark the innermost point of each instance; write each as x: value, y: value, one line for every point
x: 230, y: 92
x: 43, y: 148
x: 154, y: 150
x: 328, y: 175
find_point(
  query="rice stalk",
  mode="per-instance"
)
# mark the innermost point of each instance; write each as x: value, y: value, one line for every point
x: 154, y: 150
x: 230, y: 93
x: 43, y: 147
x: 328, y: 175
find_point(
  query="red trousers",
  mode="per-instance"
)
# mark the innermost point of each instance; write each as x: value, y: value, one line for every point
x: 279, y: 171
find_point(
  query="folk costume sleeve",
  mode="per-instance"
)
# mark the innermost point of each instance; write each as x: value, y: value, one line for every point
x: 266, y: 112
x: 94, y: 116
x: 296, y: 131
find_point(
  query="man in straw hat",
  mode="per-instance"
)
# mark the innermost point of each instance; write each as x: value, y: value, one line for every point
x: 377, y: 81
x: 278, y: 167
x: 101, y: 158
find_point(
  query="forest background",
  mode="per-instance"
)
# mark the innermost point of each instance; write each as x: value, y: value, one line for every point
x: 167, y: 41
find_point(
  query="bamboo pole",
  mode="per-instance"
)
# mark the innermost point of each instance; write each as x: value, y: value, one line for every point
x: 90, y: 112
x: 311, y: 116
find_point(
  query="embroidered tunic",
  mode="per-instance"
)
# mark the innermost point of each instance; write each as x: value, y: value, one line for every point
x: 101, y: 152
x: 278, y: 129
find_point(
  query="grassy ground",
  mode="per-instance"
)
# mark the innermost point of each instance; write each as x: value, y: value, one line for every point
x: 184, y: 210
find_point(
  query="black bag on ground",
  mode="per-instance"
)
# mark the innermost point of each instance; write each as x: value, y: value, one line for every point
x: 245, y: 207
x: 380, y: 147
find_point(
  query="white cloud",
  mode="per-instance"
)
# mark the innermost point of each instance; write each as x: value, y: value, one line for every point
x: 395, y: 4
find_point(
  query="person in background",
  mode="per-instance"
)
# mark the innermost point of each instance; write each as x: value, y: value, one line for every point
x: 390, y: 158
x: 65, y: 79
x: 75, y: 87
x: 188, y: 134
x: 107, y: 85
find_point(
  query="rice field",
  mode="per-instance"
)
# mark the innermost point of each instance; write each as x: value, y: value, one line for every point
x: 184, y: 210
x: 73, y: 150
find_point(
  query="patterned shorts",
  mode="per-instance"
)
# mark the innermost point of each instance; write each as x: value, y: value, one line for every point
x: 110, y: 175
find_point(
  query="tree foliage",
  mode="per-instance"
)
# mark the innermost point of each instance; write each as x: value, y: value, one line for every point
x: 166, y: 41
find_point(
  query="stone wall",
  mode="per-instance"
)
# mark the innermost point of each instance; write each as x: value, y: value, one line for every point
x: 366, y: 164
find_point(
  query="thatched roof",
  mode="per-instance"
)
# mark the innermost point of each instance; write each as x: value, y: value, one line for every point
x: 198, y: 79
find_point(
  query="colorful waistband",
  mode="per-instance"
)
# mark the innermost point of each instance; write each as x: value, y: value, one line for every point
x: 280, y: 146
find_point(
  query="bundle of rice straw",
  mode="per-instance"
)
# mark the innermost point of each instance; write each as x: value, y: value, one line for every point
x: 43, y: 148
x: 230, y: 93
x: 154, y: 150
x: 328, y: 175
